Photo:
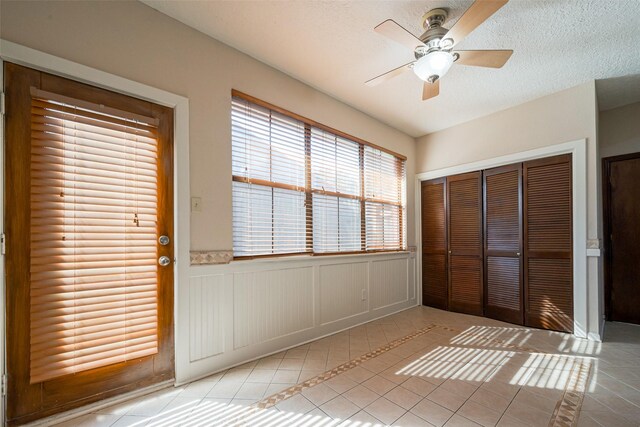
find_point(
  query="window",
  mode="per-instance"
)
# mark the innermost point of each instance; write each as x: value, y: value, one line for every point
x: 301, y: 187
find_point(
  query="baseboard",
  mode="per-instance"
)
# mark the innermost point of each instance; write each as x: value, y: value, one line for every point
x: 92, y: 407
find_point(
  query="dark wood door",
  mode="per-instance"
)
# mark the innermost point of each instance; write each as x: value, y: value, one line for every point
x: 434, y: 243
x: 548, y: 265
x: 88, y: 192
x: 503, y: 293
x: 622, y: 211
x: 464, y: 222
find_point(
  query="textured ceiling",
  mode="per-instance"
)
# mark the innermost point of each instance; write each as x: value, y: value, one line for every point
x: 331, y: 46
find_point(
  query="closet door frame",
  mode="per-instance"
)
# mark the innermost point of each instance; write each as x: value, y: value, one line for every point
x: 498, y: 313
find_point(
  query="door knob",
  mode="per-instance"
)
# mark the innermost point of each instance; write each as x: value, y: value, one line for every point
x: 164, y: 261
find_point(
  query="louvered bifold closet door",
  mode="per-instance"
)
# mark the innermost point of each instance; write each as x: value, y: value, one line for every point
x: 548, y: 243
x: 464, y: 195
x: 434, y: 243
x: 503, y: 294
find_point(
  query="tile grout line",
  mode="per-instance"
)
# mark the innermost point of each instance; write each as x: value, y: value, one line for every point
x: 285, y: 394
x: 276, y: 398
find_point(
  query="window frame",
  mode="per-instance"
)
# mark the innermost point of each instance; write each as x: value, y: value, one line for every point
x: 309, y: 190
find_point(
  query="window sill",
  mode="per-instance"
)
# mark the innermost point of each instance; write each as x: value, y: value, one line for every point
x: 309, y: 257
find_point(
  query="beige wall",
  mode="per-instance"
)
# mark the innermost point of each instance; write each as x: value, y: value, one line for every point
x: 619, y: 131
x: 562, y: 117
x: 565, y: 116
x: 132, y: 40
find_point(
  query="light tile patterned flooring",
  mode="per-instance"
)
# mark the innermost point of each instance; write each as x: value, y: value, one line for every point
x: 460, y: 370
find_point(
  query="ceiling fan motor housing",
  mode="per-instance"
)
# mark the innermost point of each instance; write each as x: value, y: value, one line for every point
x: 432, y: 22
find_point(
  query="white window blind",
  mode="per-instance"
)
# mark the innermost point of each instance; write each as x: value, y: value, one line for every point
x: 93, y: 236
x: 384, y: 194
x: 336, y: 187
x: 299, y: 187
x: 269, y: 208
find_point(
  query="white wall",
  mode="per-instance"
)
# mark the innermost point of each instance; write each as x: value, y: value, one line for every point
x: 619, y: 131
x: 565, y: 116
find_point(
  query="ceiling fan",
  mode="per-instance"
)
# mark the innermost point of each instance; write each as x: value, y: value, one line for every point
x: 433, y: 50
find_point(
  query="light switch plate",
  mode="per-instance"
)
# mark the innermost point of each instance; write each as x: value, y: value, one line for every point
x: 196, y: 204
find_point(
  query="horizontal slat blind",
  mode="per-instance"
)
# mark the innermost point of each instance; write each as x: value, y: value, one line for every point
x: 299, y: 188
x: 269, y: 200
x: 93, y: 237
x: 335, y: 182
x: 384, y: 183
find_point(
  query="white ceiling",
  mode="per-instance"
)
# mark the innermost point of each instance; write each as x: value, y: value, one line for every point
x: 331, y: 46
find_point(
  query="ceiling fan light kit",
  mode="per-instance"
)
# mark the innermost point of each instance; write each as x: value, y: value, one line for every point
x: 433, y: 49
x: 433, y: 65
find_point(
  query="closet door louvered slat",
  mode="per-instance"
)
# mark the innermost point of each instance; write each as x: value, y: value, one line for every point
x: 503, y: 236
x: 464, y: 196
x: 434, y: 244
x: 548, y: 242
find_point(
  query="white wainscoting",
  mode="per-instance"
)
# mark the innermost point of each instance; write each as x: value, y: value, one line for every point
x: 271, y: 304
x: 343, y: 291
x: 206, y: 325
x: 247, y: 309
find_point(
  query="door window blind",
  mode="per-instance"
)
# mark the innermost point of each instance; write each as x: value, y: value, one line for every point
x: 93, y: 236
x: 300, y: 187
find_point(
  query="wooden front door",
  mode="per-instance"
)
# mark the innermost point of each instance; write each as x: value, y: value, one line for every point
x: 503, y: 296
x: 622, y: 250
x: 88, y: 194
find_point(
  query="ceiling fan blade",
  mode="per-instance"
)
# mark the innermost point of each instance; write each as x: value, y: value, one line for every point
x: 484, y: 58
x: 479, y: 11
x: 399, y: 34
x: 430, y: 90
x: 389, y: 74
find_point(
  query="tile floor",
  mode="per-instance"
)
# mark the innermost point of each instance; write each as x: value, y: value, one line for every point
x: 454, y: 370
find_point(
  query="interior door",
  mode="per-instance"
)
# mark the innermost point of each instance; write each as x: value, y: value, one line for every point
x: 622, y: 207
x: 88, y: 194
x: 503, y: 296
x: 434, y: 244
x: 464, y: 202
x: 548, y: 238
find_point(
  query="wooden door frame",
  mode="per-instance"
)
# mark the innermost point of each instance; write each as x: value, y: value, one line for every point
x: 578, y: 150
x: 606, y: 224
x: 18, y: 54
